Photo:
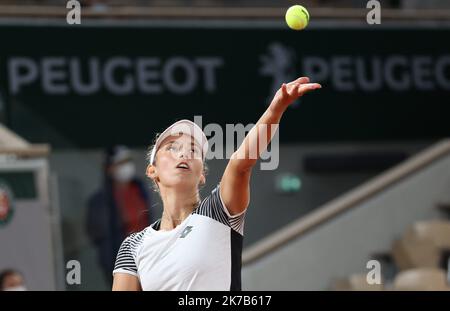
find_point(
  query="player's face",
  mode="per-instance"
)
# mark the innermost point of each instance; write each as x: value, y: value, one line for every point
x: 179, y: 162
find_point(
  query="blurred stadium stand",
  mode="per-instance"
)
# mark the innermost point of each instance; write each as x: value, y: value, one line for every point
x: 238, y: 3
x: 30, y: 238
x: 321, y: 250
x: 232, y: 9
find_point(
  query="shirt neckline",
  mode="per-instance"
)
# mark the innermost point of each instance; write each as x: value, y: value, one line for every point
x: 157, y: 224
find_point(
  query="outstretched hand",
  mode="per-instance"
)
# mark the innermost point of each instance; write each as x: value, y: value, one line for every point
x: 289, y: 92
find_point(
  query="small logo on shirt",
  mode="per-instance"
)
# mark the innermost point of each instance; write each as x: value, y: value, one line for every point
x: 186, y: 231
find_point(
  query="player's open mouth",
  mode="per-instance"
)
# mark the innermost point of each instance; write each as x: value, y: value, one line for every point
x: 183, y: 165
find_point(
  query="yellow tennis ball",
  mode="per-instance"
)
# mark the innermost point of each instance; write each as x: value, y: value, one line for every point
x: 297, y: 17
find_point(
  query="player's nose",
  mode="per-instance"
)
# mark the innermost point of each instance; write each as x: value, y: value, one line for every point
x: 183, y: 153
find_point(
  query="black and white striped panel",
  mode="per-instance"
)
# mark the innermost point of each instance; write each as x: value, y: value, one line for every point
x: 127, y: 252
x: 212, y: 207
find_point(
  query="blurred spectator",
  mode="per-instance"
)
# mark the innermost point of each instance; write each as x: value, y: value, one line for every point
x: 11, y: 280
x: 120, y: 207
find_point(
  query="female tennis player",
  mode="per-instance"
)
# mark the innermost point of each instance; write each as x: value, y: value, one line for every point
x: 197, y: 244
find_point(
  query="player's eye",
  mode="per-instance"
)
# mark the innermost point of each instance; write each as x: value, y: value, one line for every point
x: 170, y: 147
x: 196, y: 152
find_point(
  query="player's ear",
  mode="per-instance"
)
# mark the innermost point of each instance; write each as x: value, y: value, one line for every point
x: 151, y: 172
x: 202, y: 179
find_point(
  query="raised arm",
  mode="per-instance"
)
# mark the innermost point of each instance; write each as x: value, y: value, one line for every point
x: 235, y: 183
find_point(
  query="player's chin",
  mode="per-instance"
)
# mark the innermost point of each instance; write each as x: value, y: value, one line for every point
x: 187, y: 184
x: 185, y: 178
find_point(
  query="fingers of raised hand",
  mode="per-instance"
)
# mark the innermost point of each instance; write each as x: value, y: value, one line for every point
x: 293, y: 86
x: 307, y: 87
x: 302, y: 80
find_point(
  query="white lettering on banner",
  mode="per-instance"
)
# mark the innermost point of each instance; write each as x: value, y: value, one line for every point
x: 342, y: 73
x: 93, y: 86
x: 148, y: 75
x: 118, y: 87
x: 117, y: 75
x: 348, y: 73
x: 423, y: 74
x: 395, y: 72
x: 367, y: 83
x: 169, y: 75
x: 209, y: 65
x: 53, y: 81
x: 181, y: 75
x: 395, y: 64
x: 21, y: 71
x: 442, y: 65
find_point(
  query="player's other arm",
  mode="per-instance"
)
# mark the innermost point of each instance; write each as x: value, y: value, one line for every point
x: 126, y: 282
x: 235, y: 183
